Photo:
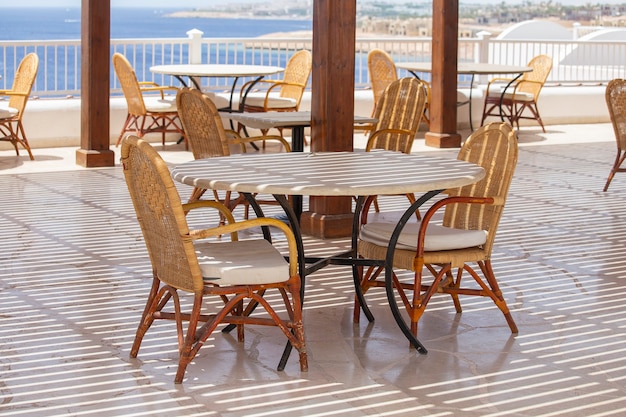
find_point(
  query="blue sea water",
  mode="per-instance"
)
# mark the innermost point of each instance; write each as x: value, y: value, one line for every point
x: 61, y: 23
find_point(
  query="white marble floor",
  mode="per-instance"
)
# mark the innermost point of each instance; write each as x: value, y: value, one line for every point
x: 74, y: 276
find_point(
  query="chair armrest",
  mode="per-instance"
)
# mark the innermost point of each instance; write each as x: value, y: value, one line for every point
x: 13, y: 93
x: 236, y: 139
x: 498, y: 81
x: 432, y: 210
x: 149, y: 86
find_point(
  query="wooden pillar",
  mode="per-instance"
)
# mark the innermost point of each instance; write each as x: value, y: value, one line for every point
x: 443, y: 111
x: 332, y: 107
x: 95, y: 71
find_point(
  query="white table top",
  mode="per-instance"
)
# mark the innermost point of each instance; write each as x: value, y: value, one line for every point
x: 328, y: 173
x: 467, y: 68
x: 216, y: 70
x: 270, y: 119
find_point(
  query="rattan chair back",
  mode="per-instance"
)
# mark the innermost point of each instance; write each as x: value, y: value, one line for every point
x: 493, y: 147
x: 615, y: 95
x: 202, y: 123
x: 532, y: 82
x: 23, y: 82
x: 399, y: 111
x: 382, y: 72
x: 161, y: 216
x: 296, y: 76
x: 130, y: 85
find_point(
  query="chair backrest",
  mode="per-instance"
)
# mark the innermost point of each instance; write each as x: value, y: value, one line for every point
x: 382, y: 72
x: 130, y: 86
x: 541, y: 65
x: 494, y: 147
x: 202, y: 123
x: 297, y: 71
x: 399, y: 109
x: 616, y: 102
x: 23, y: 82
x: 161, y: 216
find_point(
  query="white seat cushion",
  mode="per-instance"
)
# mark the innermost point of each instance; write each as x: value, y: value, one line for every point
x: 219, y: 101
x: 240, y: 263
x: 276, y: 102
x: 509, y: 96
x: 437, y: 237
x: 160, y: 105
x: 7, y: 112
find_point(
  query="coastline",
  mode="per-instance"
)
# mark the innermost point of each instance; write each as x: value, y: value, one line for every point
x: 205, y: 14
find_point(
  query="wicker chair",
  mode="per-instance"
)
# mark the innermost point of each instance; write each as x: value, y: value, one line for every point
x: 208, y: 138
x: 147, y: 113
x: 280, y: 95
x: 187, y: 261
x: 398, y: 111
x: 524, y: 95
x: 465, y: 236
x: 382, y: 72
x: 616, y: 102
x: 11, y: 127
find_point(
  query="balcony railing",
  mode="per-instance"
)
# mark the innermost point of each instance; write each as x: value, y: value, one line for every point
x: 575, y: 62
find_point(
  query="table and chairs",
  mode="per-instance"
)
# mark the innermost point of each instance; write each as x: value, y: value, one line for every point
x: 511, y: 98
x: 149, y: 109
x: 472, y: 69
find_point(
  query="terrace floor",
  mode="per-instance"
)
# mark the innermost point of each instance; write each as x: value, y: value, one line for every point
x: 74, y: 276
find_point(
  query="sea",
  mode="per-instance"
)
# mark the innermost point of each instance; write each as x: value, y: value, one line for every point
x: 57, y: 23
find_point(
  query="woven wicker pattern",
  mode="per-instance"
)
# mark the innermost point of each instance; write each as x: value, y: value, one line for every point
x: 11, y: 128
x: 172, y: 252
x: 521, y: 102
x: 207, y: 137
x: 616, y: 102
x: 398, y: 111
x: 140, y: 120
x: 295, y: 79
x: 477, y: 207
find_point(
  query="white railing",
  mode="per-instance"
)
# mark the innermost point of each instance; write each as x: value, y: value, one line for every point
x: 575, y: 62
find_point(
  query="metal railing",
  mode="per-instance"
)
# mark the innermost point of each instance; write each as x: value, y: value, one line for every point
x: 575, y: 61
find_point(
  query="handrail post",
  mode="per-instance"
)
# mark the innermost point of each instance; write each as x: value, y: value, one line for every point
x: 195, y: 46
x: 482, y: 54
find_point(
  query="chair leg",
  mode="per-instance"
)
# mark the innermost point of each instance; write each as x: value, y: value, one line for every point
x: 619, y: 159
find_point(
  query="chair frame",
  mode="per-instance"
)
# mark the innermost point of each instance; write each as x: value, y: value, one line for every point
x: 139, y: 120
x: 514, y: 105
x: 616, y: 102
x: 170, y: 245
x: 478, y: 206
x: 12, y: 128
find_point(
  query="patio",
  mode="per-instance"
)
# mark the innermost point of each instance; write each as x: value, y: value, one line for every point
x: 74, y: 279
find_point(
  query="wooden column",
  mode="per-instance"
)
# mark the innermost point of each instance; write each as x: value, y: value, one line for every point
x: 443, y: 111
x: 95, y: 71
x: 332, y: 107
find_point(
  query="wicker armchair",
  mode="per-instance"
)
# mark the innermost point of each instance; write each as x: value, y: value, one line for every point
x: 616, y: 102
x: 466, y: 235
x: 188, y: 261
x: 147, y: 113
x: 398, y: 111
x: 208, y: 138
x: 524, y: 95
x: 11, y: 127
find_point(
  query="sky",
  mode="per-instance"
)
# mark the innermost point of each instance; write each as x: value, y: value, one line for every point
x: 183, y: 4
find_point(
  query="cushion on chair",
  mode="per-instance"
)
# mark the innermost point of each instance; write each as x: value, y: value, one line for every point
x: 509, y: 96
x: 258, y: 100
x: 6, y: 112
x: 160, y: 105
x: 437, y: 237
x: 240, y: 263
x: 219, y: 101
